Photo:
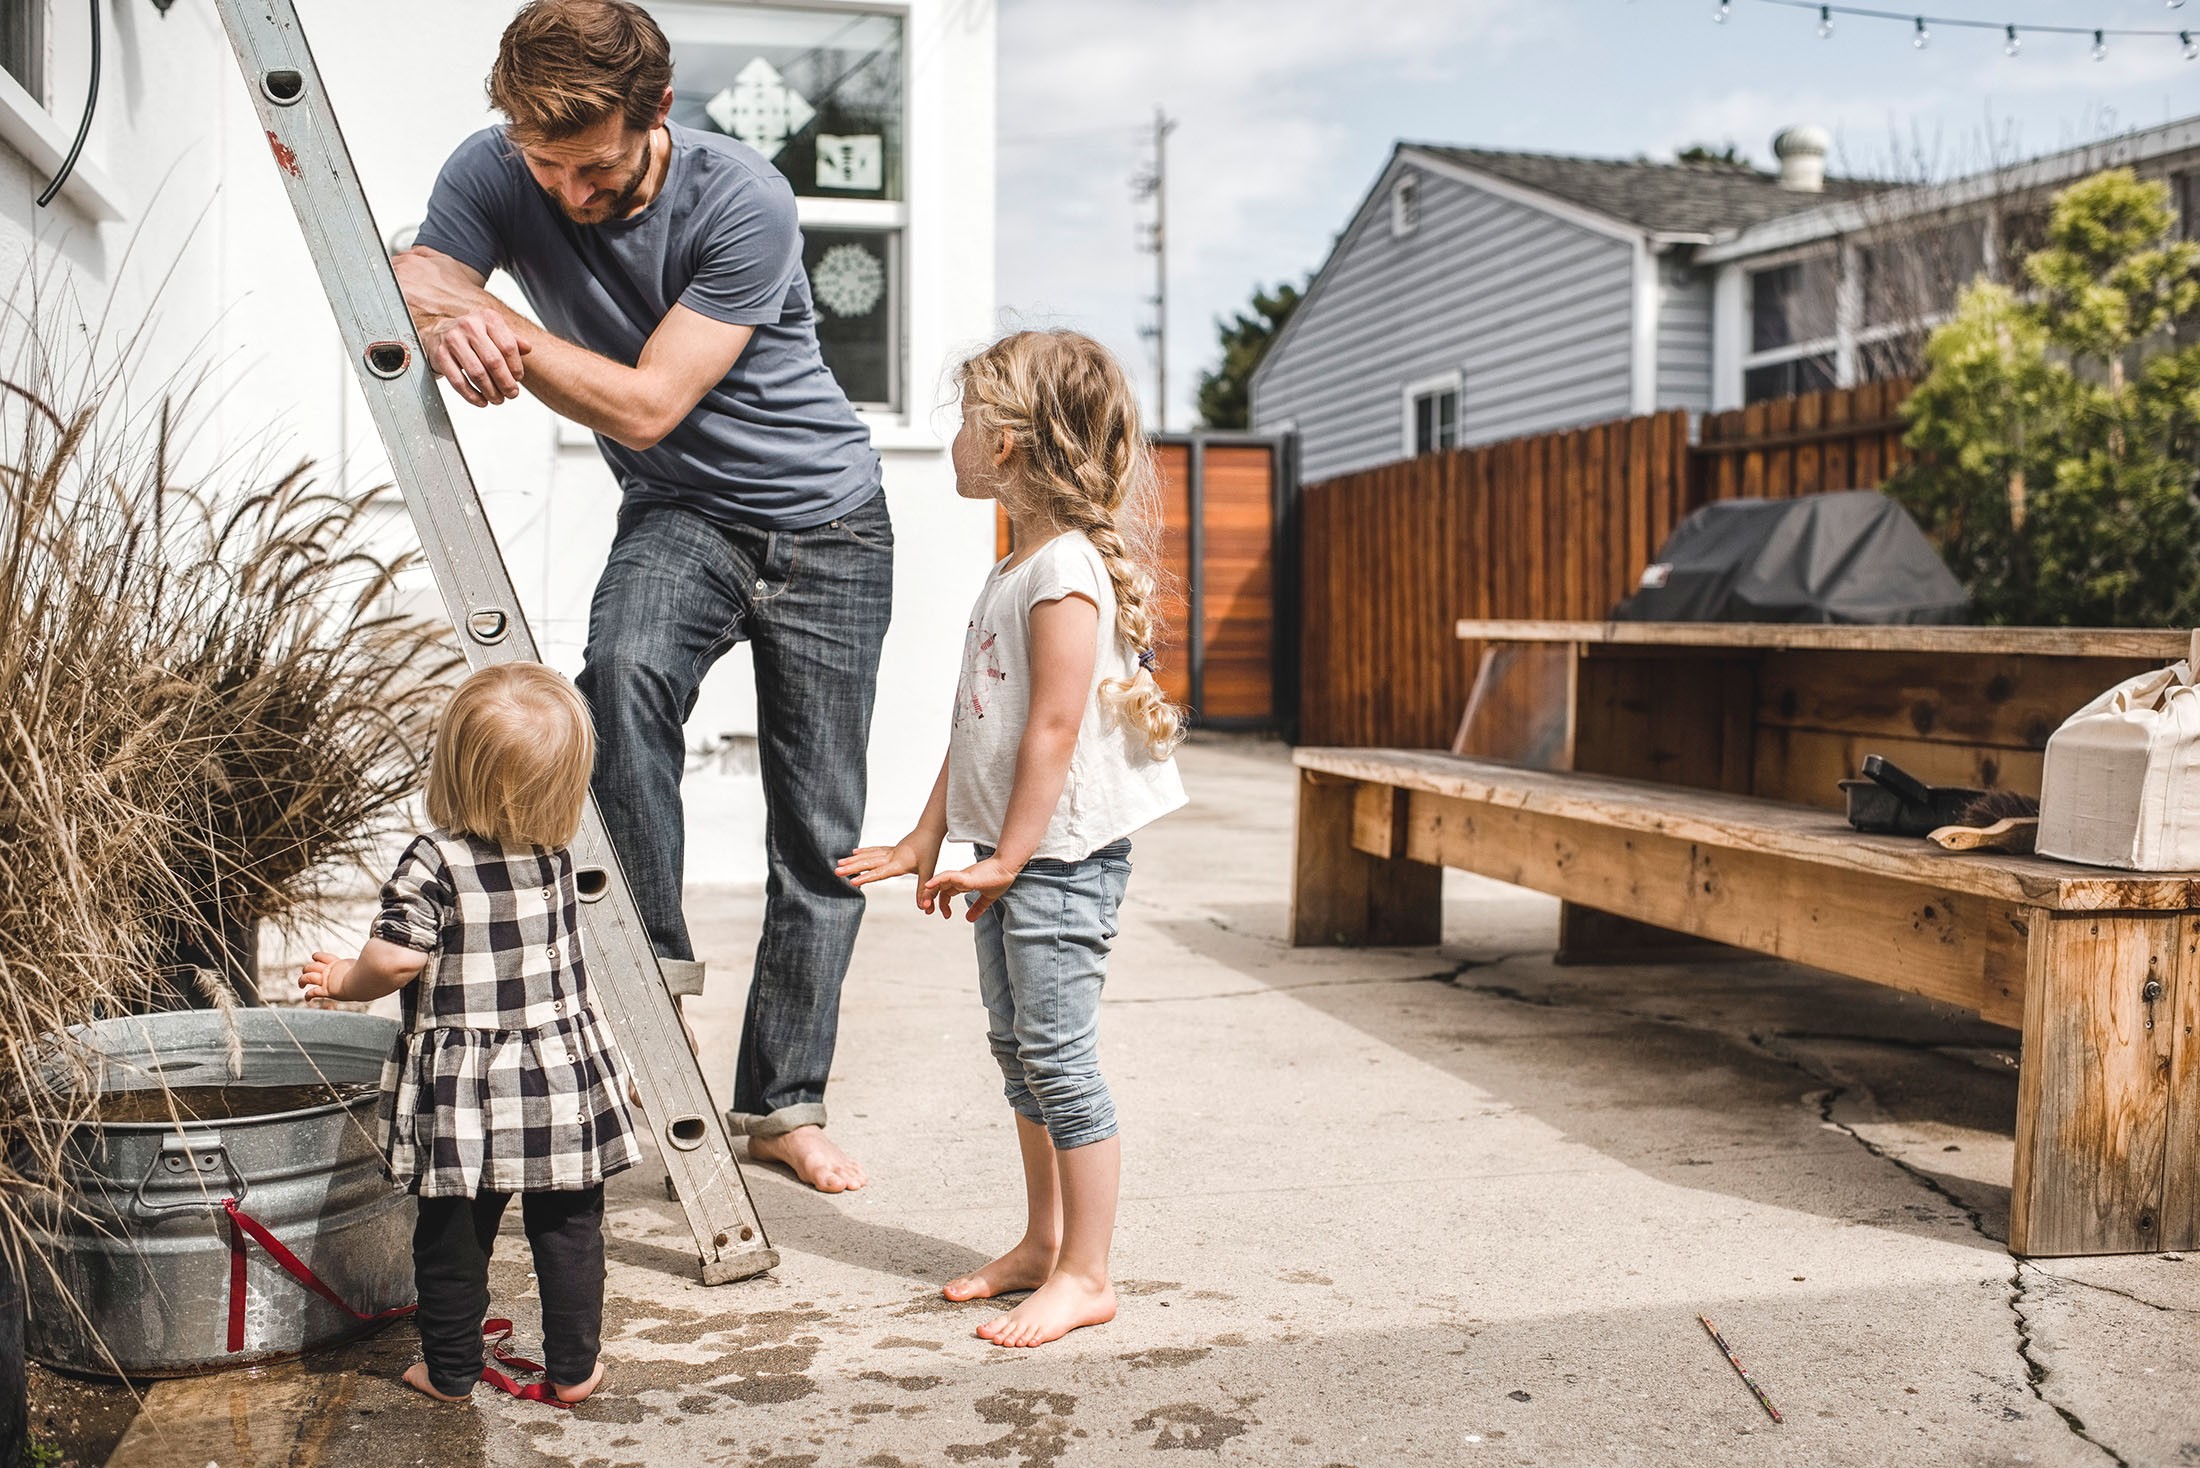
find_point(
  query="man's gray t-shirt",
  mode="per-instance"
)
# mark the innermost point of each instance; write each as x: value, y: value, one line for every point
x: 775, y: 443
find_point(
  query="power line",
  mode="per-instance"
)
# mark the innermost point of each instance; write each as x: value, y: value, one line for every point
x: 2012, y: 32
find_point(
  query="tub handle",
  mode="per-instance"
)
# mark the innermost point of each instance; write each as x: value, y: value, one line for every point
x: 184, y: 1164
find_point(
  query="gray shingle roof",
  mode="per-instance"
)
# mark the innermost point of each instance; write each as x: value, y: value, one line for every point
x: 1667, y: 198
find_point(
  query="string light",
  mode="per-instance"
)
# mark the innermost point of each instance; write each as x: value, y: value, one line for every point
x: 1726, y: 8
x: 1921, y: 35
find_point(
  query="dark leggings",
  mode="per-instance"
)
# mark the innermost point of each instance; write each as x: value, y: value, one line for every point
x: 452, y: 1242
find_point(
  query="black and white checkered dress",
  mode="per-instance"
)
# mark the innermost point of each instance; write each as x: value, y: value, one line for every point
x: 504, y: 1078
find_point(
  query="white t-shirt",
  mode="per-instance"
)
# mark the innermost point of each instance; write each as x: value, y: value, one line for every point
x: 1115, y: 785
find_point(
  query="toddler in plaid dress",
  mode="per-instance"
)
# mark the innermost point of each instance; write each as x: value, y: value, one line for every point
x: 503, y: 1080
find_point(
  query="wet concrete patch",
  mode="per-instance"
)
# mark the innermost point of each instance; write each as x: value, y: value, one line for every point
x: 1195, y: 1426
x: 906, y: 1383
x: 1146, y: 1286
x: 1164, y: 1357
x: 906, y: 1343
x: 1039, y: 1430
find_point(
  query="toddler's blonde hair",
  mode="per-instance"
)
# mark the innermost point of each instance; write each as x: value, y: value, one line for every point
x: 1078, y: 461
x: 512, y: 757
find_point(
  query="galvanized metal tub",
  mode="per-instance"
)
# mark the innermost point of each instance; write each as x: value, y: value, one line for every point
x: 139, y: 1283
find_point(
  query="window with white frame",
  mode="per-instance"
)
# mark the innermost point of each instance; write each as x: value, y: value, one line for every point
x: 1405, y: 204
x: 23, y: 45
x: 1432, y: 414
x: 1908, y: 284
x: 821, y: 93
x: 1793, y: 339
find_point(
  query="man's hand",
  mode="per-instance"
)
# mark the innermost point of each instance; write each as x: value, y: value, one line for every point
x: 981, y: 882
x: 323, y: 978
x: 917, y: 852
x: 462, y: 327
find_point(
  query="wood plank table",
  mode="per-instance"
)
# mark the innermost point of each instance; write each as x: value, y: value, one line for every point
x: 1694, y: 801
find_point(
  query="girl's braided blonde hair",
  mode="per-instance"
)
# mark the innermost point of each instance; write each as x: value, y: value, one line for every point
x: 1078, y: 461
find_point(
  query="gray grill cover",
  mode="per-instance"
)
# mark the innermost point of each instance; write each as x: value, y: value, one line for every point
x: 1855, y: 556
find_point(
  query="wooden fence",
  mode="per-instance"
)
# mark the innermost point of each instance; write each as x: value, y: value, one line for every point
x: 1555, y: 526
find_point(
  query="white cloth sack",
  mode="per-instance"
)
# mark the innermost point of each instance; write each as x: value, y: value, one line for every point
x: 2122, y: 783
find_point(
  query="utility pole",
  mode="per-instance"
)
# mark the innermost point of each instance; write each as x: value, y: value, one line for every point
x: 1153, y: 183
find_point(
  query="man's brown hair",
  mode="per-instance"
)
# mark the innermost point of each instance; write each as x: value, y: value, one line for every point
x: 566, y: 65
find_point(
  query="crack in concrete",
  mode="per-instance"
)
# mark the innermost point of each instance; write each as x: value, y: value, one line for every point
x: 2088, y: 1284
x: 2036, y: 1371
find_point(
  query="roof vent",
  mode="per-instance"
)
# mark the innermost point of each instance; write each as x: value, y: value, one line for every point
x: 1802, y: 154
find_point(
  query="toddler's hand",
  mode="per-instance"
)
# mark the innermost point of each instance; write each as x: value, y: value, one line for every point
x: 982, y: 884
x: 323, y: 977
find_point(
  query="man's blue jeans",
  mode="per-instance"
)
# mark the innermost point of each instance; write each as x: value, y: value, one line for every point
x: 680, y: 590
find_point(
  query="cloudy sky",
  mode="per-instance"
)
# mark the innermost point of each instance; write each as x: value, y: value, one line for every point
x: 1287, y: 109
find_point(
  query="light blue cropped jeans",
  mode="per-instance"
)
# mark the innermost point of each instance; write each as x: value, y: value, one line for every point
x: 1042, y: 957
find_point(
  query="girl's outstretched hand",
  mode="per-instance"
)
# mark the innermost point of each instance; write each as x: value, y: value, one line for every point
x: 323, y: 978
x: 862, y: 867
x: 982, y: 883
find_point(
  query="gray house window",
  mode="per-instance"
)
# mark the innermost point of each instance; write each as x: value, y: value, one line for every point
x: 23, y: 45
x: 1432, y: 414
x: 1791, y: 329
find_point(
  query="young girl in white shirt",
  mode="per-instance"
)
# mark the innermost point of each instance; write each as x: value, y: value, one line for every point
x: 1059, y: 750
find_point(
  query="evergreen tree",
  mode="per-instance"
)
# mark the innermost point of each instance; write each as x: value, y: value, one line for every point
x: 2058, y: 432
x: 1225, y: 397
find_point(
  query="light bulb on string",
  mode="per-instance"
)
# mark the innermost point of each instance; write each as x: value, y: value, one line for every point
x: 1825, y: 22
x: 1726, y: 8
x: 2011, y: 46
x: 2100, y: 47
x: 1921, y: 38
x: 2192, y: 47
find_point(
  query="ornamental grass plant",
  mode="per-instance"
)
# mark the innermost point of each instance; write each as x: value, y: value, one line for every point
x: 211, y: 713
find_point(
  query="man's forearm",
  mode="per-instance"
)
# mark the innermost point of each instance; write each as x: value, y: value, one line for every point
x: 613, y: 399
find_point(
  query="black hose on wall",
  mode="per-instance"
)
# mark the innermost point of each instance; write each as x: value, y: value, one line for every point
x: 83, y: 128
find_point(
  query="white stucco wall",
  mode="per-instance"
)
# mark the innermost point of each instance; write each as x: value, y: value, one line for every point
x: 177, y: 139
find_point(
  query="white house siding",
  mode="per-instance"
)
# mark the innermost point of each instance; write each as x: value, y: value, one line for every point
x: 1684, y: 338
x: 1534, y: 311
x: 176, y: 134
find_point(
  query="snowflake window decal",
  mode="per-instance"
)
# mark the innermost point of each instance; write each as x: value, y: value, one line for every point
x: 849, y: 280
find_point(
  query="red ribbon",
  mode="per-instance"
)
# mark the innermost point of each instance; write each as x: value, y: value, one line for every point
x: 242, y: 1224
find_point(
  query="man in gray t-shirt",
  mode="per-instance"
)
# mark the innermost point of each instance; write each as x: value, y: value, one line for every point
x: 665, y: 266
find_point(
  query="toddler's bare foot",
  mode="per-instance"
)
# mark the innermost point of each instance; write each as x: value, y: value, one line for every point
x: 811, y: 1156
x: 1024, y: 1267
x: 578, y: 1392
x: 1063, y: 1304
x: 416, y: 1377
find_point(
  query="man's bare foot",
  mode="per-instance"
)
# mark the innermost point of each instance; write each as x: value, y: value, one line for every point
x: 811, y: 1156
x: 1063, y: 1304
x: 416, y: 1377
x: 1024, y: 1267
x: 579, y: 1390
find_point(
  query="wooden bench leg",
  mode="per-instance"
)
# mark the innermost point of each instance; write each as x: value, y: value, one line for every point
x: 1343, y: 897
x: 2108, y: 1096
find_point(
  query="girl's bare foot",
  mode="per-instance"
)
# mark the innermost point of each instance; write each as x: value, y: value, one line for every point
x: 578, y: 1392
x: 811, y: 1156
x: 1024, y: 1267
x: 416, y: 1377
x: 1064, y: 1303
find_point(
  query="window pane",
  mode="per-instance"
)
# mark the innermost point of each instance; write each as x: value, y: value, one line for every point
x: 1914, y: 279
x: 1786, y: 379
x: 23, y: 45
x: 1424, y: 424
x: 816, y: 91
x: 855, y: 279
x: 1447, y: 420
x: 1791, y: 304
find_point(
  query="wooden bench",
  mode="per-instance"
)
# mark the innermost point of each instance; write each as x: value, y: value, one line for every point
x: 2099, y: 969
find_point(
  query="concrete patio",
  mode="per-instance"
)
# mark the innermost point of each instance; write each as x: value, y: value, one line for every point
x: 1456, y: 1206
